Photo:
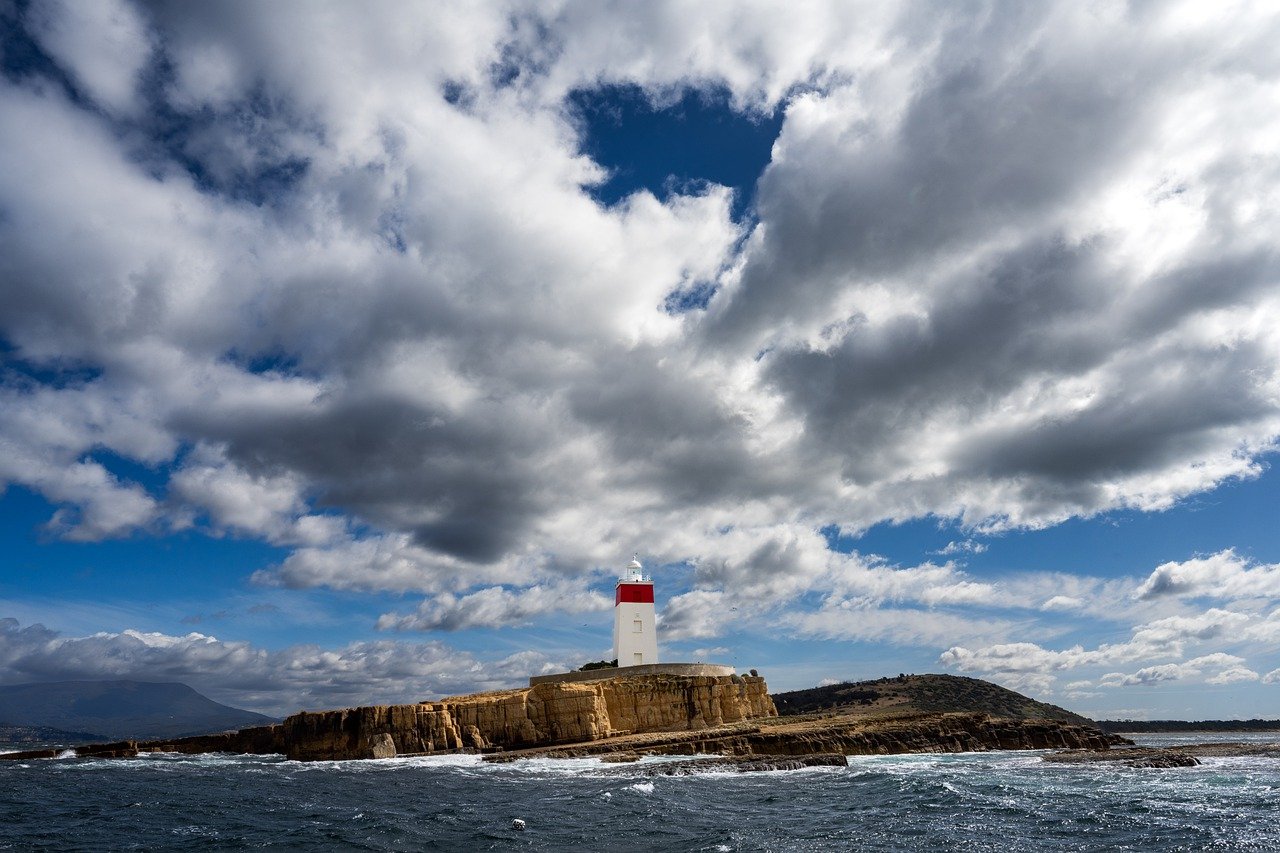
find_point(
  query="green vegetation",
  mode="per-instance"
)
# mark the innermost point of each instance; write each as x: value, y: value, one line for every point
x: 931, y: 693
x: 599, y: 664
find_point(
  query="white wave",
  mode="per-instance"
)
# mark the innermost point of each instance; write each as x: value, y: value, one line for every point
x: 374, y: 765
x: 555, y: 766
x: 642, y: 787
x: 930, y: 761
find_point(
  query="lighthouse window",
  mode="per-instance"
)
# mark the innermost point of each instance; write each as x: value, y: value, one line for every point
x: 637, y: 627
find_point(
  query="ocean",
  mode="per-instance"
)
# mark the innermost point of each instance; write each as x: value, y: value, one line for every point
x: 998, y: 801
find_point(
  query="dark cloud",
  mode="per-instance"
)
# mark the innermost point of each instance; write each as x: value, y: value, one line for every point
x: 1003, y: 127
x: 1143, y: 426
x: 462, y: 486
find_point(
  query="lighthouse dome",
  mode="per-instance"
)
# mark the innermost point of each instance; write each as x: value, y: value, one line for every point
x: 635, y: 565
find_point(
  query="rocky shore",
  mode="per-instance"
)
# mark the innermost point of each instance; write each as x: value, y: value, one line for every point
x: 622, y: 718
x: 1183, y: 755
x: 842, y: 734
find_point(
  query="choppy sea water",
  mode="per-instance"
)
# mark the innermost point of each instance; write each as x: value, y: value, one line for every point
x: 973, y: 802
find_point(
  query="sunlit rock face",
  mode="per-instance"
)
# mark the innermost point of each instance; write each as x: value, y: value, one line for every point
x: 542, y: 715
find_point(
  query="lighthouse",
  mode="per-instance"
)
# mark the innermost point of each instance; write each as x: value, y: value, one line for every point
x: 635, y: 637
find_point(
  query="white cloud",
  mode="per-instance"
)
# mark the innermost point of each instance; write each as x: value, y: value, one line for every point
x: 1229, y: 668
x: 901, y: 626
x: 696, y: 615
x: 965, y: 546
x: 1224, y: 575
x: 1033, y: 684
x: 104, y: 44
x: 495, y: 607
x: 1166, y: 637
x: 1232, y: 675
x: 271, y: 506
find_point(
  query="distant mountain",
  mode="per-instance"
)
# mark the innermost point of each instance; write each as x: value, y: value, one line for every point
x: 931, y: 693
x: 117, y: 710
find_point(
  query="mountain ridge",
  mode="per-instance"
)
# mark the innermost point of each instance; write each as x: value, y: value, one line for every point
x: 120, y: 709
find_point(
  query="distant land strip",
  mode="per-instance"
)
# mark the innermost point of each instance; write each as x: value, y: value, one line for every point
x: 10, y: 734
x: 1189, y: 725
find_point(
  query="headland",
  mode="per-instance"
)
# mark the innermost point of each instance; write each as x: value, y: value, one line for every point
x: 618, y: 716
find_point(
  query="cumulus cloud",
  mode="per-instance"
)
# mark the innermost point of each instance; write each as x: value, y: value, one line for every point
x: 1168, y: 637
x: 1230, y: 670
x: 339, y: 279
x: 1224, y: 575
x: 1161, y: 637
x: 1232, y: 675
x: 276, y: 682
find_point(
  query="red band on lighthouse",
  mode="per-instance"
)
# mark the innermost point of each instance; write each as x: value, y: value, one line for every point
x: 633, y: 593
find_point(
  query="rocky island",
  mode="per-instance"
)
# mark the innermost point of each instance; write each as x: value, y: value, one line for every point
x: 617, y: 715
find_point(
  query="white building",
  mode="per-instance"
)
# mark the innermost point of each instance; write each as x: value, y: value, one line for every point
x: 635, y: 636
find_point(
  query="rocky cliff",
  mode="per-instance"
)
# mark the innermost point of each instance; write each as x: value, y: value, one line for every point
x: 848, y: 735
x: 538, y: 716
x: 623, y: 718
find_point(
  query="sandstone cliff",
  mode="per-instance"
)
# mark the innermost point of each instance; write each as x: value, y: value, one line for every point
x: 543, y: 715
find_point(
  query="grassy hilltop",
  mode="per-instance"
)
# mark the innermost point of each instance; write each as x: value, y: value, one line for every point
x: 924, y: 693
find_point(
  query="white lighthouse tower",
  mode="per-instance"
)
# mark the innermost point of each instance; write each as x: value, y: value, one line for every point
x: 635, y: 638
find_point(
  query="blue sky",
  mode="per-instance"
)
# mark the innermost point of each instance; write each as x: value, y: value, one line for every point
x: 348, y: 361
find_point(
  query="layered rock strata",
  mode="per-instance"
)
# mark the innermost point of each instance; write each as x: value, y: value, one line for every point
x: 622, y: 719
x: 956, y: 732
x: 540, y: 716
x: 851, y: 735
